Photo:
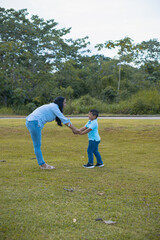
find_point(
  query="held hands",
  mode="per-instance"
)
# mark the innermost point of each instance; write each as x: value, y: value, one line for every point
x: 76, y: 131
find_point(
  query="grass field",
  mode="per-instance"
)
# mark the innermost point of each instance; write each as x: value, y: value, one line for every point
x: 35, y: 204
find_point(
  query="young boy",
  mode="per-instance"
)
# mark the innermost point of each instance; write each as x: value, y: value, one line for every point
x: 94, y: 139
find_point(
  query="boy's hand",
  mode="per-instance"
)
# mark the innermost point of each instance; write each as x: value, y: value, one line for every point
x: 84, y: 131
x: 75, y: 131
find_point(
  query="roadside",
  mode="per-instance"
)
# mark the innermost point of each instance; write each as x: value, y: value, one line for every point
x: 100, y: 117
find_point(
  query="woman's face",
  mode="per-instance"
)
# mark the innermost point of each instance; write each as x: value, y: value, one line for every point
x: 64, y: 103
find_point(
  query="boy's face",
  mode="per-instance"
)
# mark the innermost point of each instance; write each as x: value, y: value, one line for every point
x: 91, y: 116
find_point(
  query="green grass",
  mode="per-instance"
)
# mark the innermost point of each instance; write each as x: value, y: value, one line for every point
x: 34, y: 204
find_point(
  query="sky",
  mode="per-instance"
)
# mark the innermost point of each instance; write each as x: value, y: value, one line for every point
x: 100, y: 20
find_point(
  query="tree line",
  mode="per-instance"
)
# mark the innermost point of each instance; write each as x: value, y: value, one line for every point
x: 39, y: 62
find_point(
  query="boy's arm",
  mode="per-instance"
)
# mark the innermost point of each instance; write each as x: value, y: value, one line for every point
x: 85, y: 131
x: 83, y: 128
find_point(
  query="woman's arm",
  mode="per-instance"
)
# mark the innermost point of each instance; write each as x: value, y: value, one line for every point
x: 60, y: 115
x: 73, y: 128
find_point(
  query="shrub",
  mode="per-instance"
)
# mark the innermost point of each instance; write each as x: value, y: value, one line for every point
x: 24, y: 109
x: 30, y: 107
x: 146, y: 102
x: 18, y: 97
x: 85, y: 103
x: 6, y: 111
x: 109, y: 94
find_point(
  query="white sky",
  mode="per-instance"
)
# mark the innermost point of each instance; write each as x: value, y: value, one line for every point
x: 100, y: 20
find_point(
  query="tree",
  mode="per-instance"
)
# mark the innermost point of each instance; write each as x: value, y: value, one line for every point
x: 124, y: 48
x: 147, y: 51
x: 144, y: 55
x: 139, y: 53
x: 31, y: 50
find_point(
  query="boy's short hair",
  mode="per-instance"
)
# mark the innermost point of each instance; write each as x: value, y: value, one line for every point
x: 94, y: 112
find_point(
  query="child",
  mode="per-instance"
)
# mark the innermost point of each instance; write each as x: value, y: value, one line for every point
x: 94, y: 139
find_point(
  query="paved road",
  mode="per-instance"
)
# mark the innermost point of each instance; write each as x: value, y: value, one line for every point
x: 149, y: 117
x: 104, y: 117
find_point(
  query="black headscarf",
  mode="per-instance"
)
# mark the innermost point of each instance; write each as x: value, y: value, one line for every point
x: 59, y: 101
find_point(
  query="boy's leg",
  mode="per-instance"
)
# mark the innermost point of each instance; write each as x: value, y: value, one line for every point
x: 90, y: 150
x: 35, y: 132
x: 97, y: 154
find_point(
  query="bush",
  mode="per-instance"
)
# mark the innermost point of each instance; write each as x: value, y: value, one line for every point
x: 30, y: 107
x: 146, y: 102
x: 85, y: 103
x: 109, y: 94
x: 24, y: 109
x: 18, y: 97
x: 6, y: 111
x: 123, y: 107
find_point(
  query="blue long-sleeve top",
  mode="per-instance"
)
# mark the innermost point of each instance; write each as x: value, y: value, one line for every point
x: 47, y: 113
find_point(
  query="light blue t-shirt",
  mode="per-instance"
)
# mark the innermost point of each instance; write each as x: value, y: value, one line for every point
x: 47, y: 113
x: 93, y: 135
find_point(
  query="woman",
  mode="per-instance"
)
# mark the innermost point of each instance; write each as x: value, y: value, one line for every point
x: 36, y: 120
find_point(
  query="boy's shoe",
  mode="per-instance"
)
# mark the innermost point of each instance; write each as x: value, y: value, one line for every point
x: 88, y: 165
x: 99, y: 165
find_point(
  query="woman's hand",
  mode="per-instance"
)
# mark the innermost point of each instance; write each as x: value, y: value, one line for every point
x: 75, y: 131
x: 73, y: 128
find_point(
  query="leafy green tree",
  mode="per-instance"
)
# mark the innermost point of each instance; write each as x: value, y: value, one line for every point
x: 109, y: 94
x: 144, y: 55
x: 147, y: 51
x: 124, y: 48
x: 128, y: 51
x: 31, y: 50
x: 38, y: 63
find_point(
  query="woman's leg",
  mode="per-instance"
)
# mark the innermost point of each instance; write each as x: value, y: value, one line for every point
x: 96, y: 153
x: 35, y: 132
